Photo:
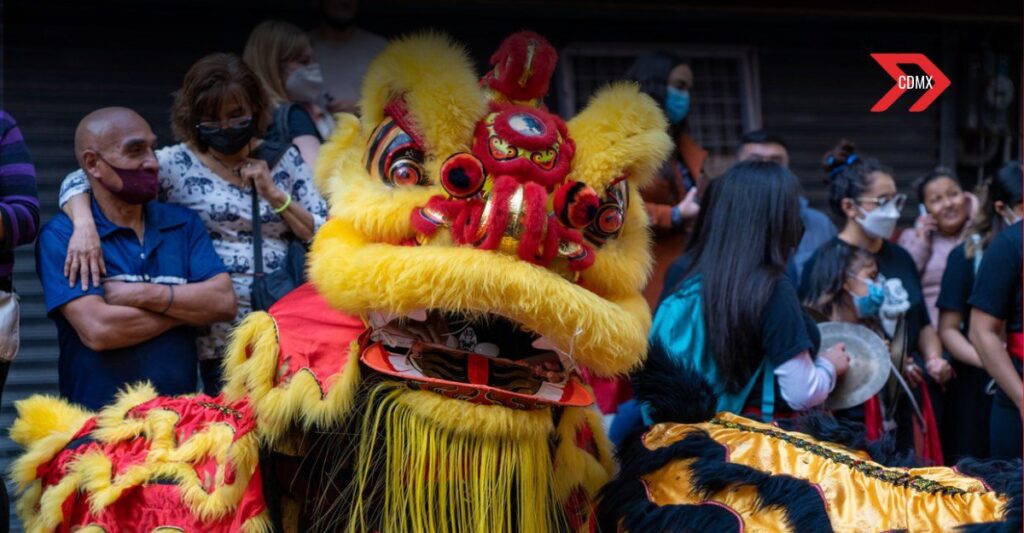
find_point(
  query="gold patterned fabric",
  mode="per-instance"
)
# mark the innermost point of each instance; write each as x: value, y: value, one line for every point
x: 859, y: 495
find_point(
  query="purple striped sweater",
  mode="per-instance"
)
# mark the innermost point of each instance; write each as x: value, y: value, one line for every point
x: 19, y: 203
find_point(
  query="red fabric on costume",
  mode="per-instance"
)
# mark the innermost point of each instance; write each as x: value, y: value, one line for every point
x: 155, y: 505
x: 927, y: 444
x: 873, y: 418
x: 1015, y: 345
x: 312, y: 335
x: 609, y: 393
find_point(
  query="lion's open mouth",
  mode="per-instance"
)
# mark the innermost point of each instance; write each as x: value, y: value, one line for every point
x: 479, y: 357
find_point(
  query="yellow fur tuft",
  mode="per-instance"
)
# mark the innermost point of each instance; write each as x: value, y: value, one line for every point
x: 92, y: 472
x: 41, y: 416
x: 575, y: 467
x: 621, y: 131
x: 44, y: 427
x: 332, y: 152
x: 439, y: 84
x: 467, y: 418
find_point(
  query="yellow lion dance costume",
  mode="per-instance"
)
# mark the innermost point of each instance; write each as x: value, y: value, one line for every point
x: 481, y: 253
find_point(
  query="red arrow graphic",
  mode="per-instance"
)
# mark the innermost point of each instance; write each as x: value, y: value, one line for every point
x: 891, y: 62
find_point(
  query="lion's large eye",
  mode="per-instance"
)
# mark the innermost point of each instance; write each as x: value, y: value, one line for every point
x: 404, y: 167
x: 611, y: 214
x: 394, y: 157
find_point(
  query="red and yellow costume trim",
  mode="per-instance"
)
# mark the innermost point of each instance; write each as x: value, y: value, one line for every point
x: 190, y: 462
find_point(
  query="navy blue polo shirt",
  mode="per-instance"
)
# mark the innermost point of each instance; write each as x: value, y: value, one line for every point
x: 176, y: 250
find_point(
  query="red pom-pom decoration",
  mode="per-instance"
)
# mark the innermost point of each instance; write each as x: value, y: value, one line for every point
x: 462, y: 175
x: 522, y: 67
x: 576, y: 204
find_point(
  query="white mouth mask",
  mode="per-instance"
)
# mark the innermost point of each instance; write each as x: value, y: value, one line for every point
x: 881, y: 222
x: 304, y: 83
x: 1010, y: 217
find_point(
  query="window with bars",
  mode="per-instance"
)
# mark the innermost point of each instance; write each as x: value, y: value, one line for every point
x: 725, y: 98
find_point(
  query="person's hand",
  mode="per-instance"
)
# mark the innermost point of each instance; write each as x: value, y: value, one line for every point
x: 838, y: 357
x: 689, y: 208
x: 256, y: 173
x: 924, y: 226
x: 912, y: 373
x: 939, y: 369
x: 84, y: 260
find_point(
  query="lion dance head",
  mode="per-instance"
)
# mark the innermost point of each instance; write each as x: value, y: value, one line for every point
x: 494, y: 251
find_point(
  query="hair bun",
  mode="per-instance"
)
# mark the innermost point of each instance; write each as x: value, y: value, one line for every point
x: 839, y: 157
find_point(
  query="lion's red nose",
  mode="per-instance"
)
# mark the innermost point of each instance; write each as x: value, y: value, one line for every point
x: 514, y: 218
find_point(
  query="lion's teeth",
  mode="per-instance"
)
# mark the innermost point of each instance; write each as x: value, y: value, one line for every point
x: 380, y: 319
x: 419, y: 315
x: 487, y: 348
x: 544, y: 343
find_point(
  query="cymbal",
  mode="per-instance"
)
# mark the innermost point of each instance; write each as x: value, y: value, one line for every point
x: 869, y: 363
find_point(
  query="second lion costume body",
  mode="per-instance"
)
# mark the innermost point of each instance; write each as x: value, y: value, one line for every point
x: 480, y: 251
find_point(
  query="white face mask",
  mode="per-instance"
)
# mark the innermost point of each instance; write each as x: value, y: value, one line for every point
x: 881, y: 222
x: 1010, y: 217
x: 304, y: 83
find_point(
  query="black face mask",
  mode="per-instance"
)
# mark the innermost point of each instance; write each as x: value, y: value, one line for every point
x: 227, y: 140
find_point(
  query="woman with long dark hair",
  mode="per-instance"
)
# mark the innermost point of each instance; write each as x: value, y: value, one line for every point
x: 735, y: 317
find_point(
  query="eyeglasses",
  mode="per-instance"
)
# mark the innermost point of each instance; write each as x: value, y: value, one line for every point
x: 899, y: 199
x: 214, y: 125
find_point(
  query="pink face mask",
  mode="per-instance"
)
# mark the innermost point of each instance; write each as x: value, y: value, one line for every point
x: 138, y: 185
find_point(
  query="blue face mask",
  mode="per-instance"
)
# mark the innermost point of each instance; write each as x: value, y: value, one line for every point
x: 677, y: 104
x: 869, y: 304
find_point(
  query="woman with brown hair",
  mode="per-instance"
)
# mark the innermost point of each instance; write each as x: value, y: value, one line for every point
x: 280, y: 55
x: 219, y: 117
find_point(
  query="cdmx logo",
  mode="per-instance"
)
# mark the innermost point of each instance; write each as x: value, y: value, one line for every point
x: 933, y: 80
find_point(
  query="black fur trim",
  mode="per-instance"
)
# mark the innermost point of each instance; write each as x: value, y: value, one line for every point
x: 625, y: 497
x: 641, y: 515
x: 1003, y: 477
x: 823, y: 426
x: 673, y: 393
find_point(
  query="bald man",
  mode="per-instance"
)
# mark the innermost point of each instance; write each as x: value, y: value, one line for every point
x: 162, y: 277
